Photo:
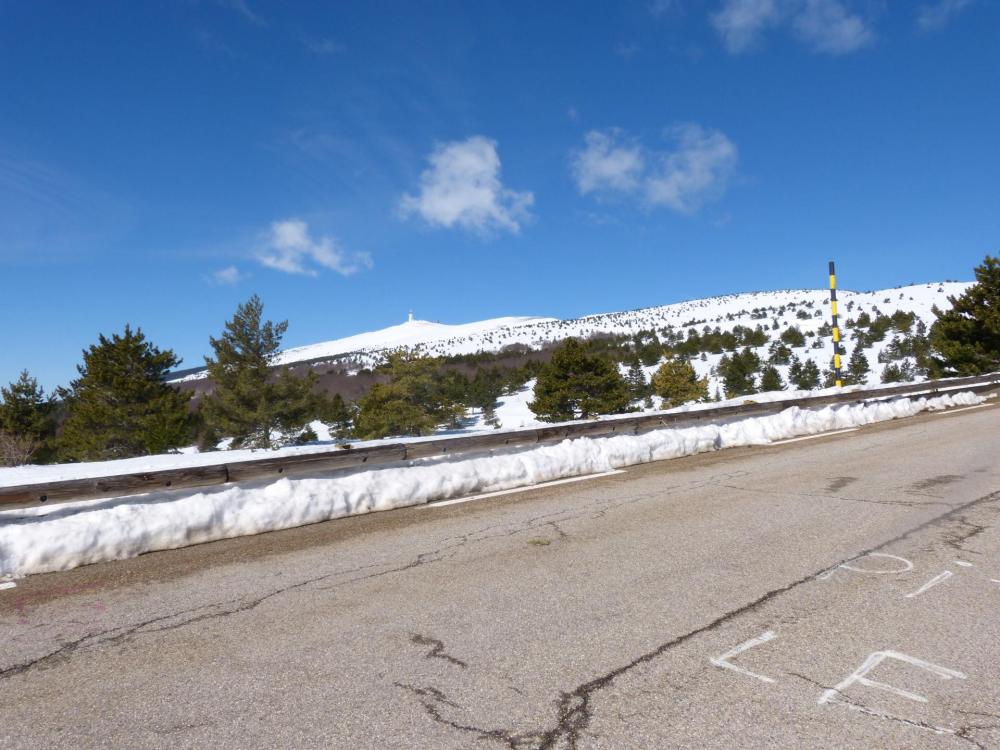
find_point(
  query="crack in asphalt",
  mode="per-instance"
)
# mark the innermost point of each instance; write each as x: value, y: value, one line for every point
x: 119, y: 634
x: 574, y: 709
x: 961, y: 733
x: 437, y: 651
x: 827, y: 496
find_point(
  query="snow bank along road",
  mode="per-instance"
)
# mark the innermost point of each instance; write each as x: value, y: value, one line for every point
x: 836, y: 592
x: 51, y: 538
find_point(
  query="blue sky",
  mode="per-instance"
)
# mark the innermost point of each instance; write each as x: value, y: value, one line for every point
x: 160, y: 162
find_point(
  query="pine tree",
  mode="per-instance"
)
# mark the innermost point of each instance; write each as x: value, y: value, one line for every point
x: 738, y: 372
x: 676, y: 382
x: 808, y: 377
x: 414, y: 401
x: 575, y: 385
x: 901, y: 372
x: 249, y: 401
x: 770, y: 379
x: 965, y: 340
x: 120, y: 405
x: 857, y: 368
x: 339, y: 416
x: 636, y: 379
x: 28, y: 414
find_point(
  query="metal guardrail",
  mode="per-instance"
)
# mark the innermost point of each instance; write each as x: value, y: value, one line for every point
x: 358, y: 458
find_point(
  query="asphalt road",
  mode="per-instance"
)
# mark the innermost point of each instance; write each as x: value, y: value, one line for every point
x: 833, y: 593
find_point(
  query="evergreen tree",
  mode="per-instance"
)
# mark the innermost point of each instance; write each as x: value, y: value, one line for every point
x: 339, y: 416
x: 575, y: 385
x: 770, y: 379
x: 793, y: 337
x: 901, y: 372
x: 486, y: 386
x: 738, y: 372
x: 27, y: 416
x: 807, y: 378
x: 857, y: 368
x: 250, y: 402
x: 119, y: 406
x: 965, y: 340
x: 779, y: 353
x: 414, y: 401
x: 676, y: 382
x: 636, y: 379
x: 794, y: 371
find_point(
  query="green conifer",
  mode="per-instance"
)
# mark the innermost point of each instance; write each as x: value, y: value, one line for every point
x: 857, y: 368
x: 27, y: 420
x: 770, y: 379
x: 414, y: 402
x: 636, y: 379
x: 250, y: 402
x: 965, y: 340
x: 676, y: 382
x: 119, y: 406
x: 738, y: 372
x: 575, y: 385
x: 808, y: 376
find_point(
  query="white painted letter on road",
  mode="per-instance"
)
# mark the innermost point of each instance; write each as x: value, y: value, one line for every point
x: 873, y: 660
x: 723, y: 660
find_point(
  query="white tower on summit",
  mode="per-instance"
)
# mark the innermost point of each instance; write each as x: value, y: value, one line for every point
x: 410, y: 319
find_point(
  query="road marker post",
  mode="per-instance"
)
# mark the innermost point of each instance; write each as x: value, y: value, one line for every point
x: 836, y: 328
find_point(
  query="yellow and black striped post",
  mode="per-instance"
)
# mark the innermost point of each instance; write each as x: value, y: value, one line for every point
x: 836, y: 328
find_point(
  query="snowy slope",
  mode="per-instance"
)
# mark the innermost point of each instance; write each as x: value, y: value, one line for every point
x: 726, y: 312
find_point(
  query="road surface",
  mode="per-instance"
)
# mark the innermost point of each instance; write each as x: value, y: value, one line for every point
x: 840, y: 592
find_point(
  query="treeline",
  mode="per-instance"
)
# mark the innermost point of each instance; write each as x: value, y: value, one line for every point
x: 120, y: 406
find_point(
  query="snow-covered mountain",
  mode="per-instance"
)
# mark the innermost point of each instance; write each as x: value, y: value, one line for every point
x: 808, y: 309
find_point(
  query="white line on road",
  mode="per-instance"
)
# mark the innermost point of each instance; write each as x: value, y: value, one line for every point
x: 933, y: 582
x: 964, y: 408
x: 723, y: 660
x: 7, y: 585
x: 813, y: 437
x: 521, y: 489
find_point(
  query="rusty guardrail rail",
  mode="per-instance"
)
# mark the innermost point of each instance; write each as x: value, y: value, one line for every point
x: 357, y: 458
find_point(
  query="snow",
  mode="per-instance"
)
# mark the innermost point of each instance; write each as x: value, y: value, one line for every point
x: 62, y: 537
x: 726, y: 312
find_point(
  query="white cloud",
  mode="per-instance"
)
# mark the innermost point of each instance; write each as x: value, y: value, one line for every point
x: 227, y: 276
x: 741, y: 22
x: 935, y: 16
x: 826, y: 25
x: 696, y: 170
x: 607, y: 162
x: 324, y: 47
x: 244, y: 10
x: 289, y: 247
x: 462, y: 188
x: 830, y: 28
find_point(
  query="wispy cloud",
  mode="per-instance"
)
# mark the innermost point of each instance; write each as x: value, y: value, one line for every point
x: 324, y: 47
x: 228, y: 276
x: 740, y: 23
x: 695, y: 170
x: 662, y: 7
x: 211, y: 43
x: 244, y: 10
x: 935, y: 16
x: 462, y: 188
x: 608, y: 162
x: 289, y: 247
x: 47, y: 212
x: 827, y: 26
